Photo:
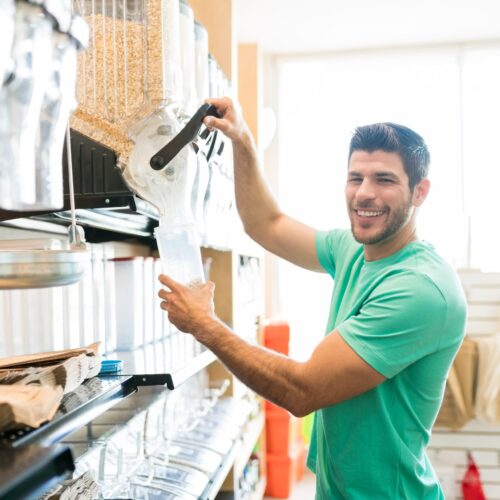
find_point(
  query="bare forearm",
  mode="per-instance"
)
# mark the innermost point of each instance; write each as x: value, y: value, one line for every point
x: 256, y: 204
x: 269, y: 374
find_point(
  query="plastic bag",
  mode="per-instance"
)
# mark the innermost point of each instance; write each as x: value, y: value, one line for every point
x: 471, y: 482
x: 487, y: 407
x: 458, y: 403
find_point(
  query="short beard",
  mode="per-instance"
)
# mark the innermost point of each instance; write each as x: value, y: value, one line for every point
x: 398, y: 220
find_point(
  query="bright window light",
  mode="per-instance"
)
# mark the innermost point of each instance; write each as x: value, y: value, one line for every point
x: 448, y: 95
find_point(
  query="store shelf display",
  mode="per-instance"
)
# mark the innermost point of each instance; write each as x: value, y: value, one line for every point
x: 130, y: 430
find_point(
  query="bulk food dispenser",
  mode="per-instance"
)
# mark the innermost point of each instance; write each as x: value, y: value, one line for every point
x: 135, y: 95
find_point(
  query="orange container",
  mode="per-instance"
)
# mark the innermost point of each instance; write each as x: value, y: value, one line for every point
x: 277, y: 336
x: 283, y: 431
x: 283, y: 471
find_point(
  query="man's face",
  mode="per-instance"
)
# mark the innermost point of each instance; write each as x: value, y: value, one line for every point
x: 378, y: 196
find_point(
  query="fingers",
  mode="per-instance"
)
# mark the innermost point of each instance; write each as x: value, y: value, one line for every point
x: 165, y: 295
x: 219, y: 123
x: 170, y: 283
x: 223, y: 104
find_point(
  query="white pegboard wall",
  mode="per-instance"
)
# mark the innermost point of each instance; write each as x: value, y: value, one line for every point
x: 448, y: 449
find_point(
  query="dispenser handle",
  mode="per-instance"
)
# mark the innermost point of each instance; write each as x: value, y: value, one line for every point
x: 188, y: 134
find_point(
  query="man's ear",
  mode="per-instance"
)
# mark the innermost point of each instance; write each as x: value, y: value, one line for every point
x: 420, y: 192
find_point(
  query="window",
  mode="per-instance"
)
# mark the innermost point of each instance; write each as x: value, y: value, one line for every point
x: 448, y: 95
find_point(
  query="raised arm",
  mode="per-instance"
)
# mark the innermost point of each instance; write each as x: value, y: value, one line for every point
x: 260, y: 213
x: 333, y: 374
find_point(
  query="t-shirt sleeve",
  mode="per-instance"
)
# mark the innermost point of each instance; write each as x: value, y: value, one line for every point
x: 401, y: 322
x: 329, y: 246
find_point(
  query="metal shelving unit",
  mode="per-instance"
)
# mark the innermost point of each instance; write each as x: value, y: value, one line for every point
x: 28, y: 472
x: 31, y: 462
x: 77, y: 408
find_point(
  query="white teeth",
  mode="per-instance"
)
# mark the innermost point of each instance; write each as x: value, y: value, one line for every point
x: 366, y: 213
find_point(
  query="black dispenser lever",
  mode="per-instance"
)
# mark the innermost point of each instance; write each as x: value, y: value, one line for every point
x: 188, y: 134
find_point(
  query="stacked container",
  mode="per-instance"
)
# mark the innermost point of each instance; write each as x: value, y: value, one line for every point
x: 285, y: 449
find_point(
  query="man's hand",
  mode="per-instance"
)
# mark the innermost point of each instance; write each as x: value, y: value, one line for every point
x: 191, y: 310
x: 231, y: 124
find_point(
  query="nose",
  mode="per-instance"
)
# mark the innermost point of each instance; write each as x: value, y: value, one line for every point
x: 365, y: 191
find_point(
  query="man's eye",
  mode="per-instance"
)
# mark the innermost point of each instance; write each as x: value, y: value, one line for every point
x: 355, y: 180
x: 386, y: 181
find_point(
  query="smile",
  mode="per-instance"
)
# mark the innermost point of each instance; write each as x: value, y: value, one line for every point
x: 369, y: 213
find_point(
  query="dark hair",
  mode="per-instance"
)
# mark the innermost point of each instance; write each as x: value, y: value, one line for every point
x: 394, y: 138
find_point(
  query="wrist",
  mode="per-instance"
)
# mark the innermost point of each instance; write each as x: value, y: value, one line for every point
x: 245, y: 141
x: 205, y: 331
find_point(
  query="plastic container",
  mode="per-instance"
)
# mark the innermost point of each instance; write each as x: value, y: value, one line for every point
x: 129, y: 302
x: 86, y: 314
x: 180, y: 253
x: 168, y: 189
x: 182, y: 478
x: 130, y: 69
x: 160, y: 317
x: 7, y: 25
x: 109, y: 300
x: 201, y: 61
x: 148, y: 302
x: 20, y: 105
x: 199, y: 192
x: 71, y: 316
x: 283, y: 471
x: 212, y: 77
x: 99, y: 294
x: 283, y: 431
x: 277, y: 336
x: 190, y: 98
x: 172, y: 70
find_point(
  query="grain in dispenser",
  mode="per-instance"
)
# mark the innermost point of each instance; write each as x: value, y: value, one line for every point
x: 130, y: 70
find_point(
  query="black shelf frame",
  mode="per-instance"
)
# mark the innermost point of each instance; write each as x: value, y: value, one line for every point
x: 31, y: 460
x: 172, y: 379
x: 72, y: 416
x: 30, y: 471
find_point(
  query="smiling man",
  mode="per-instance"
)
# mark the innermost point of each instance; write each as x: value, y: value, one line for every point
x: 397, y: 317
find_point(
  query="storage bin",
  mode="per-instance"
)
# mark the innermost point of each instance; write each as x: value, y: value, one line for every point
x: 148, y: 290
x: 277, y: 336
x: 283, y: 431
x: 129, y: 302
x: 283, y: 471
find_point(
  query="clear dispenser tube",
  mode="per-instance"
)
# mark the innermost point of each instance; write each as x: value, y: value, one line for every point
x: 20, y: 104
x: 201, y: 61
x: 57, y: 104
x: 172, y: 65
x: 7, y: 25
x: 190, y: 102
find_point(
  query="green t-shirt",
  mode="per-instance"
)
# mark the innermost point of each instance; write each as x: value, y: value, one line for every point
x: 405, y: 316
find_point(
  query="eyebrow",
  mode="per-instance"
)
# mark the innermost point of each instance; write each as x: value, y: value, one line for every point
x: 386, y: 174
